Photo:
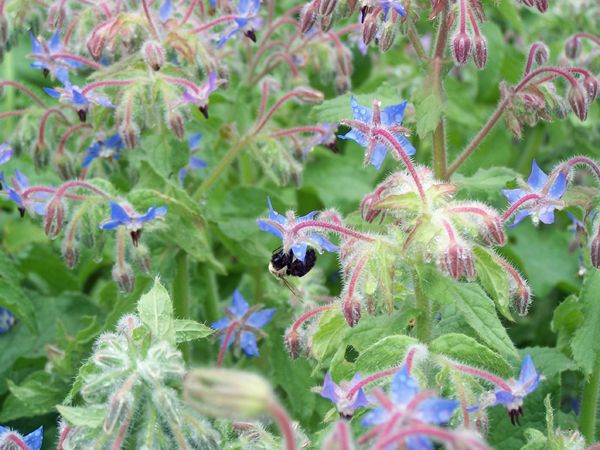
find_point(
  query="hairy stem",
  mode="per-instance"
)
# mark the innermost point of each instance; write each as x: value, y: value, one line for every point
x: 589, y: 405
x: 181, y: 297
x: 435, y: 77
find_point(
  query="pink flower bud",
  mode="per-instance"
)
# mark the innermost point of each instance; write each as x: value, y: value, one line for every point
x: 461, y: 47
x: 123, y: 276
x: 541, y: 5
x: 480, y: 51
x: 573, y: 47
x: 292, y: 342
x: 326, y: 7
x: 541, y: 54
x: 308, y: 17
x: 177, y: 124
x: 457, y: 261
x: 595, y: 251
x: 590, y: 84
x: 56, y: 16
x: 154, y: 55
x: 369, y: 30
x: 343, y: 60
x: 54, y: 218
x: 129, y: 133
x: 388, y: 34
x: 326, y: 23
x: 494, y: 231
x: 578, y: 101
x: 70, y: 253
x: 522, y: 298
x: 309, y: 95
x: 529, y: 3
x: 351, y: 310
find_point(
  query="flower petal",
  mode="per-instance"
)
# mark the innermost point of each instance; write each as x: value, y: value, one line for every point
x: 403, y: 387
x: 269, y: 228
x: 537, y: 179
x: 260, y: 318
x: 299, y: 250
x: 239, y: 305
x: 360, y: 112
x: 393, y: 115
x: 328, y: 391
x: 559, y: 187
x: 117, y: 213
x: 194, y: 140
x: 437, y: 410
x: 248, y: 344
x: 513, y: 195
x: 34, y: 439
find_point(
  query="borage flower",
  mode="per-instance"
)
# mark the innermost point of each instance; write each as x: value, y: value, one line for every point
x: 199, y: 95
x: 105, y: 149
x: 407, y: 405
x: 246, y: 21
x: 42, y: 55
x: 538, y: 198
x: 299, y: 240
x: 393, y: 5
x: 241, y: 326
x: 365, y: 120
x: 10, y: 439
x: 6, y: 153
x: 73, y: 94
x: 326, y: 138
x: 34, y: 203
x: 338, y: 394
x: 125, y: 216
x: 7, y: 320
x: 194, y: 163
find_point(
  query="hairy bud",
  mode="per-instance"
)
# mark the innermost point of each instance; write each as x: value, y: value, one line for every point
x: 522, y: 298
x: 124, y: 277
x: 56, y: 16
x: 54, y: 218
x: 541, y: 54
x: 119, y: 407
x: 351, y: 310
x: 326, y: 7
x: 326, y: 23
x: 309, y: 95
x: 369, y: 30
x: 573, y: 47
x: 578, y: 101
x: 541, y: 5
x: 129, y: 133
x: 154, y: 55
x: 308, y: 17
x: 70, y: 252
x: 343, y: 60
x: 292, y: 342
x: 176, y: 124
x: 595, y: 251
x: 480, y: 51
x: 494, y: 231
x: 388, y: 34
x: 457, y: 261
x: 461, y: 47
x: 590, y: 84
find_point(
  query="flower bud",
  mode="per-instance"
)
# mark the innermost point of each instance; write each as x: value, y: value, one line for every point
x: 292, y: 342
x: 522, y: 298
x: 308, y: 17
x: 541, y: 54
x: 351, y: 310
x: 142, y: 257
x: 154, y: 55
x: 326, y: 23
x: 494, y: 231
x: 56, y: 16
x: 369, y: 30
x: 461, y: 47
x: 595, y: 251
x: 129, y: 134
x: 541, y: 5
x: 176, y: 124
x: 309, y: 95
x: 123, y: 275
x: 326, y: 7
x: 388, y: 34
x: 573, y: 47
x: 590, y: 84
x: 345, y: 8
x: 63, y: 166
x: 54, y: 218
x: 119, y: 407
x: 70, y: 252
x: 96, y: 43
x: 480, y: 51
x: 227, y: 393
x: 529, y: 3
x: 578, y: 101
x: 343, y: 60
x: 342, y: 84
x: 457, y: 261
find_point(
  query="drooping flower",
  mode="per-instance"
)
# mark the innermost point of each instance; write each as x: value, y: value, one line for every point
x: 246, y: 323
x: 34, y: 202
x: 194, y: 163
x: 73, y: 94
x: 541, y: 208
x: 6, y: 153
x: 246, y: 22
x: 12, y: 439
x: 298, y: 240
x: 327, y: 139
x: 406, y: 404
x: 7, y: 320
x: 42, y: 54
x: 125, y: 216
x: 366, y: 119
x: 387, y: 5
x: 105, y: 149
x: 199, y: 95
x: 338, y: 394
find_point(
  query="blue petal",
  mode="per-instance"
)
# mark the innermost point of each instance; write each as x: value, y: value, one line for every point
x: 546, y: 215
x: 182, y: 174
x: 520, y: 216
x: 103, y: 101
x: 260, y: 318
x: 408, y: 148
x: 114, y: 141
x: 324, y: 243
x: 393, y: 115
x: 34, y: 439
x: 513, y: 195
x: 328, y: 390
x: 62, y: 75
x: 239, y: 305
x: 537, y: 179
x: 4, y: 429
x: 221, y: 323
x: 166, y: 10
x: 6, y: 153
x: 197, y: 163
x: 273, y: 215
x: 248, y: 344
x: 528, y: 378
x: 378, y: 155
x: 375, y: 417
x: 437, y: 410
x: 54, y: 43
x: 39, y: 208
x: 559, y: 187
x: 7, y: 320
x: 110, y: 225
x: 79, y: 98
x: 299, y: 250
x: 418, y: 443
x: 194, y: 140
x: 36, y: 46
x: 264, y: 226
x: 89, y: 158
x: 21, y: 180
x: 360, y: 112
x: 117, y: 213
x: 504, y: 397
x: 310, y: 216
x: 51, y: 92
x: 356, y: 136
x: 403, y: 387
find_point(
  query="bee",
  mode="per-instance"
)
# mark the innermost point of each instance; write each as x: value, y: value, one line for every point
x: 286, y: 264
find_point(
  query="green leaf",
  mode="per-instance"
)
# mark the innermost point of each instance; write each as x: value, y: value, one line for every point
x: 485, y: 183
x: 475, y: 307
x: 15, y: 300
x: 430, y: 108
x: 383, y: 354
x: 189, y: 330
x: 549, y: 361
x: 586, y: 342
x: 156, y: 311
x: 467, y: 350
x: 83, y: 416
x: 37, y: 395
x: 493, y: 278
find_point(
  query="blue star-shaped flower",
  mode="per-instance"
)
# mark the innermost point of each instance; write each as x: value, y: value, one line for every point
x: 387, y: 5
x: 246, y: 21
x: 43, y: 57
x: 193, y: 163
x: 543, y: 209
x: 7, y: 320
x: 248, y: 324
x: 73, y: 94
x: 431, y: 410
x: 199, y: 95
x: 33, y: 440
x: 107, y: 149
x: 133, y: 222
x: 35, y: 203
x: 338, y: 394
x: 298, y: 242
x: 391, y: 119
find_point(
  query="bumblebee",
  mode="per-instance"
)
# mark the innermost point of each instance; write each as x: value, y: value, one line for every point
x: 286, y: 264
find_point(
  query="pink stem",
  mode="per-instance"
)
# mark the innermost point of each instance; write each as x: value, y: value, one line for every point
x: 332, y: 227
x: 355, y: 275
x: 78, y: 58
x: 188, y: 12
x: 297, y: 130
x: 18, y: 112
x: 565, y: 167
x: 438, y: 434
x: 230, y: 329
x: 25, y: 90
x: 183, y: 82
x: 410, y: 356
x: 531, y: 57
x: 148, y: 15
x: 68, y: 133
x: 407, y: 162
x: 313, y: 312
x: 343, y: 434
x: 557, y: 70
x: 595, y: 39
x: 63, y: 437
x: 285, y: 425
x: 44, y: 119
x: 274, y: 108
x: 483, y: 374
x: 17, y: 441
x: 526, y: 198
x: 263, y: 99
x: 97, y: 84
x: 370, y: 379
x: 213, y: 23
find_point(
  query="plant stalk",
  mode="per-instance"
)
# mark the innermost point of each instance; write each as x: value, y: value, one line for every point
x: 589, y: 406
x: 181, y: 297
